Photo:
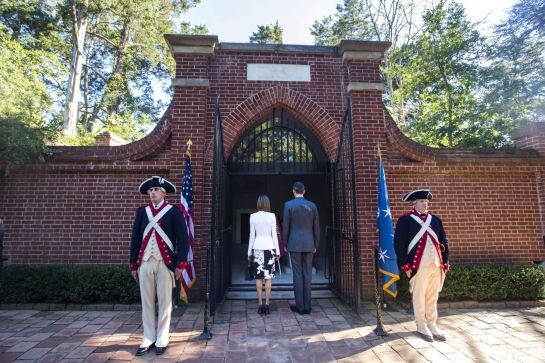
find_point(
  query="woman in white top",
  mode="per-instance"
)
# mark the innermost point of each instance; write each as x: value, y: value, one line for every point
x: 263, y: 249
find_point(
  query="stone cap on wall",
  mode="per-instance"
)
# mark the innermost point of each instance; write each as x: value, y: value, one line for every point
x: 206, y: 44
x: 277, y: 48
x: 363, y: 46
x: 191, y: 44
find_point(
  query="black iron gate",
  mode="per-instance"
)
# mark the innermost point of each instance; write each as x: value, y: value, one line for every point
x: 344, y: 254
x: 220, y: 267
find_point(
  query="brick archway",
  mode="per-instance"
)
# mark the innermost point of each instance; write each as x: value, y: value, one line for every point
x: 315, y: 117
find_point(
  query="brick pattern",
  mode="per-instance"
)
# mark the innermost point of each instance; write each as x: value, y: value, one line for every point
x: 364, y: 71
x: 191, y: 66
x: 78, y: 207
x: 332, y: 332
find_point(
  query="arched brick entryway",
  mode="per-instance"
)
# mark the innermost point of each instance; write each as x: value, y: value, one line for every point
x: 308, y: 111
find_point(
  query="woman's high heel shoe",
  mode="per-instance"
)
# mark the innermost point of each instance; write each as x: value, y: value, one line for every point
x: 266, y: 309
x: 261, y: 310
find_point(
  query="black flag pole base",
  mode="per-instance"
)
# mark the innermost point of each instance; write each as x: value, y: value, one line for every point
x: 379, y: 331
x: 206, y: 334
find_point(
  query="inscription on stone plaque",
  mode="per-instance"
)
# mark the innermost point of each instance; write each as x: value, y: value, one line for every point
x: 278, y: 72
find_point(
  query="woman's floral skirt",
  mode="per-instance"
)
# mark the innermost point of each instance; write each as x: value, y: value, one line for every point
x: 264, y: 264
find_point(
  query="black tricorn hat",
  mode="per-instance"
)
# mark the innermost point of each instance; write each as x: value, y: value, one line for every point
x: 417, y: 194
x: 156, y: 181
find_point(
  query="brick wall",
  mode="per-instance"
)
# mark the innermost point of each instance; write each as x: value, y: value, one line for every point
x: 78, y: 207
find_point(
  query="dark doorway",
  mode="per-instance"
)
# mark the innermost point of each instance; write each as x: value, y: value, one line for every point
x: 244, y: 192
x: 278, y: 151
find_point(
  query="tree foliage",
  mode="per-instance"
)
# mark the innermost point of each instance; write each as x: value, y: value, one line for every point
x: 381, y: 20
x: 441, y: 80
x: 515, y: 79
x: 352, y: 21
x: 446, y: 85
x: 126, y: 64
x: 267, y: 34
x: 25, y: 104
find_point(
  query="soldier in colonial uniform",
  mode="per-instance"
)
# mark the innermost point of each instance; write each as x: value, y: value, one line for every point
x: 159, y: 247
x: 421, y: 246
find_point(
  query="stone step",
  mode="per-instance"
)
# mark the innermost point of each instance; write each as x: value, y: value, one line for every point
x: 275, y: 295
x: 277, y: 287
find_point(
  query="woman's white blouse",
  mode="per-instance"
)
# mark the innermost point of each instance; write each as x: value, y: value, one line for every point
x: 263, y: 232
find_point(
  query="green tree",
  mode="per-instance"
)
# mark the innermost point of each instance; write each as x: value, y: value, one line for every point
x: 26, y: 103
x: 442, y: 77
x: 527, y: 19
x: 381, y: 20
x: 515, y: 80
x: 119, y: 58
x: 352, y: 21
x: 267, y: 34
x: 126, y: 56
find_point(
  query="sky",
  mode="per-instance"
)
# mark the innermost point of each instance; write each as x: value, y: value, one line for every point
x: 236, y: 20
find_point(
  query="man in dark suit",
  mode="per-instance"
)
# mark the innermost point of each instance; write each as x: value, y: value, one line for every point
x: 159, y: 247
x: 301, y: 233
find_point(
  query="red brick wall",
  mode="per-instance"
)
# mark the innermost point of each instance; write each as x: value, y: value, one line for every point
x: 78, y: 208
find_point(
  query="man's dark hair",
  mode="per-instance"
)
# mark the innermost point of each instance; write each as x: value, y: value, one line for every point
x: 299, y: 187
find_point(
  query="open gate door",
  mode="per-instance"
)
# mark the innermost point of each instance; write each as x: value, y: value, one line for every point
x: 220, y: 264
x: 344, y: 256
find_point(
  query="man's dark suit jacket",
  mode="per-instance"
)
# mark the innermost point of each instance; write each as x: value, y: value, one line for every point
x: 301, y: 225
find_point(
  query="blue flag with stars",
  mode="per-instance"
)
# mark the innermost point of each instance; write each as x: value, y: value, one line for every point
x: 387, y: 257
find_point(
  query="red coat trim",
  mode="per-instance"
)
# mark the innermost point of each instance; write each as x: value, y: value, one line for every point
x: 160, y: 243
x: 422, y: 244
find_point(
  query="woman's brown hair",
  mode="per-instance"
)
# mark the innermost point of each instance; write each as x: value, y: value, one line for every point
x: 263, y: 203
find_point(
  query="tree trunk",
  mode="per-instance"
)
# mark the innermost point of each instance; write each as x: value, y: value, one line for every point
x: 109, y: 101
x: 80, y: 19
x: 115, y: 102
x: 87, y: 124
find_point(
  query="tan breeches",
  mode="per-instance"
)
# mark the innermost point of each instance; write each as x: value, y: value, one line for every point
x: 155, y: 278
x: 425, y: 287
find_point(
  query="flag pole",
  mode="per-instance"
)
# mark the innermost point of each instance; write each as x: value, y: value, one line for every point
x: 206, y: 333
x: 379, y: 330
x: 383, y: 301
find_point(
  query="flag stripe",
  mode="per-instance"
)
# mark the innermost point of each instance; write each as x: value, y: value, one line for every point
x: 186, y: 205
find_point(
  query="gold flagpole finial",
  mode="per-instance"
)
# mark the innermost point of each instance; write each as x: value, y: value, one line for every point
x: 379, y: 154
x: 189, y: 143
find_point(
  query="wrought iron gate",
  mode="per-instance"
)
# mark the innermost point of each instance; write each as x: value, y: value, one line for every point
x: 343, y: 233
x: 220, y: 267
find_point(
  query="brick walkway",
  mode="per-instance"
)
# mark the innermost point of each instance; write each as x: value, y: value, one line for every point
x: 332, y: 332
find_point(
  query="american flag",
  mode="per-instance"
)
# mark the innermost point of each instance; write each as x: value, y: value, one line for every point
x: 186, y: 205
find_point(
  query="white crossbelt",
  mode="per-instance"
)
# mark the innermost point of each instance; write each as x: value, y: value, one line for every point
x: 425, y: 227
x: 154, y: 223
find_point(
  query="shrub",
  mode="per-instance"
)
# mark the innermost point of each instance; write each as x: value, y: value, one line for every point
x: 487, y: 282
x: 68, y: 284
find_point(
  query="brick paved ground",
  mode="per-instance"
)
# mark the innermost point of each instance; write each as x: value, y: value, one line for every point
x: 332, y: 332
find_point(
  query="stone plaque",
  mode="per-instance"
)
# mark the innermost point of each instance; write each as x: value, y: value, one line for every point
x: 278, y: 72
